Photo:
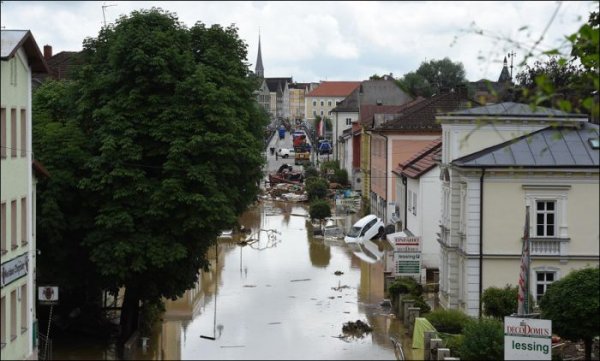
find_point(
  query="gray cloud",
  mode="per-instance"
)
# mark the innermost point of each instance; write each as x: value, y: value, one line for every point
x: 312, y: 41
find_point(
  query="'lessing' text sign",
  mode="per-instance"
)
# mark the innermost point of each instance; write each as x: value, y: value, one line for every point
x: 527, y: 339
x: 14, y: 269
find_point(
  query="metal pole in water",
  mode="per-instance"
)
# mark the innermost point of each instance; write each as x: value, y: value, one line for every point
x: 216, y: 283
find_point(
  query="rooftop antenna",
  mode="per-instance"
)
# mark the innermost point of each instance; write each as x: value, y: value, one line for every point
x: 511, y: 55
x: 104, y: 6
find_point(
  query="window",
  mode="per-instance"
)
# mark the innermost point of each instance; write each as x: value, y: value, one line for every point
x: 24, y: 308
x: 314, y: 103
x: 321, y: 112
x: 548, y: 209
x: 13, y: 225
x: 13, y: 315
x: 3, y: 323
x: 329, y: 103
x: 545, y: 220
x: 23, y: 133
x: 314, y: 112
x: 3, y: 230
x: 543, y: 280
x: 13, y: 133
x: 23, y: 221
x: 13, y: 71
x: 3, y: 133
x: 348, y: 121
x: 463, y: 208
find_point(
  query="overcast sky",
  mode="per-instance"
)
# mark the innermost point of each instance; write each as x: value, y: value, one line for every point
x: 313, y: 41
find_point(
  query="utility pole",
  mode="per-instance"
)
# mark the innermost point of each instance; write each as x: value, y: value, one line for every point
x: 104, y: 6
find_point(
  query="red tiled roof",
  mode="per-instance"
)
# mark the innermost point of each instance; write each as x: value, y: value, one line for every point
x: 334, y: 89
x: 422, y: 161
x: 367, y: 111
x: 422, y: 115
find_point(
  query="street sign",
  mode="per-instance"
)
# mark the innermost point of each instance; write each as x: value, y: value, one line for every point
x: 48, y: 295
x: 527, y: 339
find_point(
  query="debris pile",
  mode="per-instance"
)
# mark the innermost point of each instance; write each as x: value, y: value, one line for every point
x: 356, y: 329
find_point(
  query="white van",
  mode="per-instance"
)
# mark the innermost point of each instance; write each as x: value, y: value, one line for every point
x: 286, y: 152
x: 365, y: 228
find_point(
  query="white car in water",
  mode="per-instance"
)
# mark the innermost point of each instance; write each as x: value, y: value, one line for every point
x: 366, y: 228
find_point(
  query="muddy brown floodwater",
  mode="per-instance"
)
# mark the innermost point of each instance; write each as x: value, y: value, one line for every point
x: 284, y: 295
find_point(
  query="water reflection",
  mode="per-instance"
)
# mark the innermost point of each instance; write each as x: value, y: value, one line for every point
x: 279, y: 298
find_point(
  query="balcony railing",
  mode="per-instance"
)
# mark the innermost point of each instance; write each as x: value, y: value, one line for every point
x: 548, y: 246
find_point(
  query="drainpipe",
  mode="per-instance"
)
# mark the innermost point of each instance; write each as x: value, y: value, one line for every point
x: 481, y: 238
x: 405, y: 183
x: 385, y: 178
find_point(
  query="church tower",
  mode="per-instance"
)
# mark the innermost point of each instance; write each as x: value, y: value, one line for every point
x: 504, y: 74
x: 259, y: 71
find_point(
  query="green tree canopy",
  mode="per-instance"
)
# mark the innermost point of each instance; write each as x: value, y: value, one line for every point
x: 174, y: 140
x: 433, y: 77
x: 573, y: 305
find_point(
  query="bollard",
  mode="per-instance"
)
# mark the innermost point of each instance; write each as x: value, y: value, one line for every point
x: 433, y: 347
x: 442, y: 353
x: 428, y: 335
x: 413, y: 313
x: 405, y: 305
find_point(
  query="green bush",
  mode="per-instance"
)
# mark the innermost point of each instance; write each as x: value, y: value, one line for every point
x: 448, y: 321
x: 405, y: 285
x: 316, y: 187
x: 311, y: 171
x: 419, y: 302
x: 319, y: 209
x: 340, y: 176
x: 483, y: 340
x: 500, y: 302
x: 454, y: 343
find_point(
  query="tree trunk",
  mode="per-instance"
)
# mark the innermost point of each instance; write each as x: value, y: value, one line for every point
x: 588, y: 347
x: 129, y: 314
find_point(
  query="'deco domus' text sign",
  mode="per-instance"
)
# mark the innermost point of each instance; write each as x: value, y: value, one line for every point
x: 527, y: 339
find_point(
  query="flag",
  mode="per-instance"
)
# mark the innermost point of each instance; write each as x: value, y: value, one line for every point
x: 321, y: 126
x: 523, y: 297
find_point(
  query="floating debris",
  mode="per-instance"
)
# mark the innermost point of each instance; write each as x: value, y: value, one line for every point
x: 356, y: 329
x: 338, y: 273
x: 301, y: 280
x: 274, y: 323
x: 250, y: 286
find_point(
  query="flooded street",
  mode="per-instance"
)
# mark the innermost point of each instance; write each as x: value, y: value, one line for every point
x: 278, y: 297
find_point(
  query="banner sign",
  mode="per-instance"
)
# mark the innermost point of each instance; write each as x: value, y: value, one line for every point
x: 527, y: 339
x: 14, y: 269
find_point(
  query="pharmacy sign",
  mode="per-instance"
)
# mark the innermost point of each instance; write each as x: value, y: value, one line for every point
x: 527, y: 339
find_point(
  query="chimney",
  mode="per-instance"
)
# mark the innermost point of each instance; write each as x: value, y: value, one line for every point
x: 47, y: 52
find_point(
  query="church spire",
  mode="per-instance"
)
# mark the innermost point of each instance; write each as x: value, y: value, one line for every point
x: 260, y: 71
x: 504, y: 74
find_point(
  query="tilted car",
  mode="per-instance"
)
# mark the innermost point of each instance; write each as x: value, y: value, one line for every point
x: 366, y: 228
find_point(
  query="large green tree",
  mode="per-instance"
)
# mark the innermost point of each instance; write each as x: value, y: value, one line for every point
x: 433, y: 77
x: 573, y: 305
x: 174, y: 137
x: 63, y: 213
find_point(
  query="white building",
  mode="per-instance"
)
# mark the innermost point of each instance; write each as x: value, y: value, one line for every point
x: 20, y: 57
x: 496, y: 160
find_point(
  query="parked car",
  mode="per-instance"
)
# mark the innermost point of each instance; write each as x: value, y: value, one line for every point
x: 325, y: 148
x: 286, y: 152
x: 366, y: 228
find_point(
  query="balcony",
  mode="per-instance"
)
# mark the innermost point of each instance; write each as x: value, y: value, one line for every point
x: 548, y: 246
